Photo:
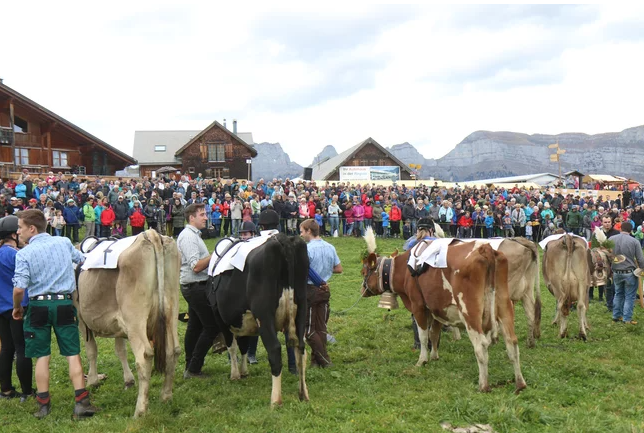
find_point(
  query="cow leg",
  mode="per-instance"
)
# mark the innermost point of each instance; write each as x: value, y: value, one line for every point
x: 234, y: 366
x: 172, y: 352
x: 92, y: 354
x: 300, y: 360
x: 512, y: 347
x: 121, y: 351
x: 274, y: 350
x: 562, y: 313
x: 242, y: 343
x: 480, y: 343
x: 581, y: 311
x: 436, y: 329
x: 143, y: 353
x: 423, y: 321
x: 528, y: 307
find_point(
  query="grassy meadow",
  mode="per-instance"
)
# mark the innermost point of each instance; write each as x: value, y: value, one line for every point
x: 374, y: 386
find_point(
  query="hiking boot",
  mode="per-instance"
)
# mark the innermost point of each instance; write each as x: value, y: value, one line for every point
x: 84, y: 409
x: 43, y: 410
x: 252, y: 359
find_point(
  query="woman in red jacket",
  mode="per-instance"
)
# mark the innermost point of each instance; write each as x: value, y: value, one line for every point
x: 137, y: 219
x: 395, y: 215
x: 465, y: 224
x: 368, y: 214
x: 311, y: 205
x: 107, y: 219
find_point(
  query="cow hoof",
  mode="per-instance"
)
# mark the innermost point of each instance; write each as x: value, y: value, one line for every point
x: 434, y: 358
x: 583, y: 336
x: 275, y: 404
x: 531, y: 344
x: 563, y: 335
x: 485, y: 388
x: 421, y: 363
x: 520, y: 387
x: 237, y: 377
x: 244, y: 375
x: 129, y: 384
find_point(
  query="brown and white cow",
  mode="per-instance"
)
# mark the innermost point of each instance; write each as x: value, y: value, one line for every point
x: 566, y: 271
x: 471, y: 291
x: 138, y: 301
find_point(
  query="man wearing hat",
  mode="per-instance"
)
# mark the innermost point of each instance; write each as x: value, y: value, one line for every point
x: 247, y: 230
x: 626, y: 273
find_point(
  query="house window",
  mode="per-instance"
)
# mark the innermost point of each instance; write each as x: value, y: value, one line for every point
x: 216, y: 152
x: 191, y: 169
x: 159, y: 148
x: 217, y: 172
x: 21, y: 156
x: 20, y: 124
x: 59, y: 159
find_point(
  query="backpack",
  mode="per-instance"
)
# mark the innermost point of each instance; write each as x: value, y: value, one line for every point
x: 81, y: 214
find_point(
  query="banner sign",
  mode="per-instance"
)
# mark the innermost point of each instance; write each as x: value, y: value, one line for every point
x: 387, y: 172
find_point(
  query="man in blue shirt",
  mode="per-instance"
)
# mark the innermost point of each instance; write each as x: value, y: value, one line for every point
x: 11, y: 333
x: 325, y: 262
x: 44, y: 267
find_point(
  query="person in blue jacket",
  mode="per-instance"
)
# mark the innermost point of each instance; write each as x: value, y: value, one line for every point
x: 72, y: 222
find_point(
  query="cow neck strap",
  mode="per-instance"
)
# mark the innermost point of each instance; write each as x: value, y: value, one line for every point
x: 386, y: 276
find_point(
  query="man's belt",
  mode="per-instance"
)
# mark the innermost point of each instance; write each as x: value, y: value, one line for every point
x: 51, y: 297
x: 630, y: 271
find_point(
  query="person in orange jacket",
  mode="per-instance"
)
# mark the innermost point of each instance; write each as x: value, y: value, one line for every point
x: 395, y: 215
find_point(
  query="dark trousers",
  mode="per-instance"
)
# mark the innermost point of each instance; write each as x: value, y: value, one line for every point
x: 136, y: 230
x: 378, y: 225
x: 202, y: 328
x: 13, y: 342
x: 227, y: 226
x: 316, y: 319
x: 71, y: 231
x: 106, y: 231
x: 610, y: 295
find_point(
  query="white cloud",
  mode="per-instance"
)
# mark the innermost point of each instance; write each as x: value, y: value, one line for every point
x: 307, y: 78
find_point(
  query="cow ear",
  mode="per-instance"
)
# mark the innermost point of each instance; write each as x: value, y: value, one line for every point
x: 395, y: 253
x: 372, y: 260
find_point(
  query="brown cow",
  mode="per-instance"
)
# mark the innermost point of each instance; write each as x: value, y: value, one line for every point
x: 467, y: 292
x: 138, y: 301
x: 566, y: 271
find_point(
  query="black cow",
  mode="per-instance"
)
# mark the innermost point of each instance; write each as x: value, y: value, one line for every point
x: 267, y: 297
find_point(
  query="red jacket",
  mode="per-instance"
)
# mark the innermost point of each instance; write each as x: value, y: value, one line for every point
x: 311, y: 205
x: 368, y: 212
x: 465, y: 221
x: 107, y: 217
x: 225, y: 209
x: 395, y: 214
x: 137, y: 219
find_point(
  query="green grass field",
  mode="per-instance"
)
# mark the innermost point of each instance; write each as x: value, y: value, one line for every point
x: 374, y: 386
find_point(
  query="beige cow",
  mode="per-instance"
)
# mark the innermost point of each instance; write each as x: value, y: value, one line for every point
x: 139, y: 301
x: 566, y: 272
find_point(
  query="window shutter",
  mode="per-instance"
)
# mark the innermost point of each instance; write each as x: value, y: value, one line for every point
x: 203, y: 148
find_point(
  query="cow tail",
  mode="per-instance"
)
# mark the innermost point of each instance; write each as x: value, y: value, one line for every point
x: 567, y: 277
x: 160, y: 328
x: 489, y: 307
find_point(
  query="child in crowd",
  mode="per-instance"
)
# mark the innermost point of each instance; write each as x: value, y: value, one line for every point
x: 319, y: 220
x: 508, y: 231
x: 407, y: 230
x: 528, y: 230
x: 58, y: 222
x: 117, y: 230
x: 489, y: 224
x: 385, y: 224
x: 639, y: 235
x: 216, y: 219
x: 558, y: 221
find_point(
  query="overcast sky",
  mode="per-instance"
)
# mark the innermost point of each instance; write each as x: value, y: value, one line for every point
x: 308, y: 78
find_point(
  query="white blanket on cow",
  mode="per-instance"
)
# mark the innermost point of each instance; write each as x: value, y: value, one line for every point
x: 235, y: 257
x: 551, y: 238
x: 495, y: 243
x: 435, y: 255
x: 106, y: 254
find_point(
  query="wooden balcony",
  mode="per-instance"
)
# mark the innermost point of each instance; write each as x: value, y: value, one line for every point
x: 27, y: 139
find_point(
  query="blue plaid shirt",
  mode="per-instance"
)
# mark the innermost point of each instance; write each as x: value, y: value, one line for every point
x: 322, y: 258
x: 45, y: 265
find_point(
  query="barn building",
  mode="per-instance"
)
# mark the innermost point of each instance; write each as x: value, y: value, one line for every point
x: 36, y: 139
x: 366, y: 161
x: 215, y: 151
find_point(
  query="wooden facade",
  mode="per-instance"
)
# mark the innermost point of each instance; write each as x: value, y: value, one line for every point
x: 214, y: 152
x: 371, y: 154
x: 35, y: 138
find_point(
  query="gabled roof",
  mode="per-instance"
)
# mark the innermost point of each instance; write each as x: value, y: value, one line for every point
x: 22, y: 99
x: 145, y: 141
x: 324, y: 169
x: 216, y: 124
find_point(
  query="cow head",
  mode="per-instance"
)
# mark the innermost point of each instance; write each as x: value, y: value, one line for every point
x: 370, y: 283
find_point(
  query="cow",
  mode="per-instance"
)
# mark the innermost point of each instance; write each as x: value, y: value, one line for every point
x: 268, y: 296
x: 567, y: 266
x: 138, y: 301
x: 523, y: 280
x: 471, y: 291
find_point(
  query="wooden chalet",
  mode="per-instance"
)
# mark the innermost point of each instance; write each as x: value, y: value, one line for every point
x: 214, y: 152
x: 367, y: 153
x: 34, y: 138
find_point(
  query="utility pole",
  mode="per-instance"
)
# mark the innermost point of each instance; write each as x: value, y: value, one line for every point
x: 556, y: 157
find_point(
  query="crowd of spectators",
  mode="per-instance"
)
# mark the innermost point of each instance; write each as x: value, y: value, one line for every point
x: 126, y: 207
